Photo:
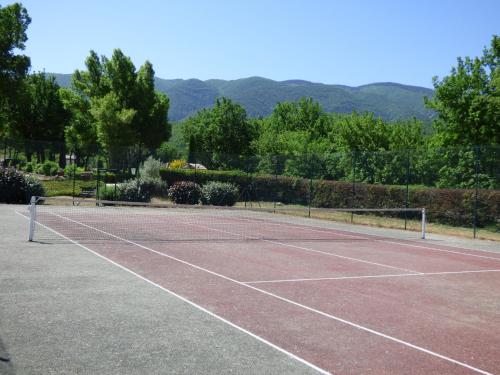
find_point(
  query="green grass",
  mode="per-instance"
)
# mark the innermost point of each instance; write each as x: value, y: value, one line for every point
x: 54, y: 188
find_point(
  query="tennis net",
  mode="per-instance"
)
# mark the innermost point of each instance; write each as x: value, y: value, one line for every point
x: 57, y: 219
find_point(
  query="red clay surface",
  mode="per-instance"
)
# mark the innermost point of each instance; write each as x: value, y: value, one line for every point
x: 420, y: 323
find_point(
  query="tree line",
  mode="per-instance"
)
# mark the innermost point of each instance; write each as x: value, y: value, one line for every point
x: 110, y: 105
x: 114, y: 109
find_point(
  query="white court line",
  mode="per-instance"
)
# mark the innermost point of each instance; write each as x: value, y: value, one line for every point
x: 319, y: 312
x: 304, y: 248
x: 366, y: 276
x: 261, y: 339
x: 442, y: 250
x: 387, y: 241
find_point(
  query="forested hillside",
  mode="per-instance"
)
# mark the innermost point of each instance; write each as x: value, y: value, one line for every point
x: 391, y: 101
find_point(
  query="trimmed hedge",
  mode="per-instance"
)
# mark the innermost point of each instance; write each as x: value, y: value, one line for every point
x: 447, y: 206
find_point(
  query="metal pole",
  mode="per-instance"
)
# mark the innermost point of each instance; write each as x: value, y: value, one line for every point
x: 97, y: 183
x: 275, y: 183
x: 74, y: 175
x: 32, y: 210
x: 353, y: 183
x: 476, y: 195
x: 423, y: 223
x: 195, y: 167
x: 407, y: 197
x: 310, y: 196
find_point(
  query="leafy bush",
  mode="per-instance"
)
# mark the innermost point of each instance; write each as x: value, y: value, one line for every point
x: 184, y: 192
x: 150, y: 168
x: 34, y: 186
x: 30, y: 167
x: 156, y: 186
x: 219, y: 193
x: 167, y: 152
x: 48, y: 168
x: 136, y: 190
x: 177, y: 164
x: 18, y: 188
x: 70, y: 170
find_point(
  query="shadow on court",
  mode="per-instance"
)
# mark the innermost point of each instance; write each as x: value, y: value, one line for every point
x: 6, y: 366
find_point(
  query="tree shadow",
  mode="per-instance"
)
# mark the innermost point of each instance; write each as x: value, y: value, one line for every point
x: 6, y: 365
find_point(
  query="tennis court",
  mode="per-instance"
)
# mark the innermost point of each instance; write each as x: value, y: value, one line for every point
x: 332, y: 298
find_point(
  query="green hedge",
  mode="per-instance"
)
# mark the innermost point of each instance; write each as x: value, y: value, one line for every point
x: 447, y: 206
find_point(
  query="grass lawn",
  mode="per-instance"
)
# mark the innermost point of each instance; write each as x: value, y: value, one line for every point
x: 64, y: 187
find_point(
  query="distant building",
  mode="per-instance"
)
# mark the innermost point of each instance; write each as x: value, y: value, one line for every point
x: 193, y: 166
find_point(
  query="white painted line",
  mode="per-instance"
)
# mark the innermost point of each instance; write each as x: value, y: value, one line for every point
x: 253, y: 335
x: 303, y: 227
x: 442, y: 250
x: 342, y: 256
x: 311, y: 309
x: 368, y: 276
x: 304, y: 248
x: 373, y: 237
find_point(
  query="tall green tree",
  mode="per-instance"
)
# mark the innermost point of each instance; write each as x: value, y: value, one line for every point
x: 14, y: 21
x: 126, y: 109
x: 39, y: 117
x: 80, y: 134
x: 293, y: 138
x: 468, y: 100
x: 221, y: 136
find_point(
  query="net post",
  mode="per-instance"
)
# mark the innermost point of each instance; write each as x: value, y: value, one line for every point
x: 32, y: 210
x: 423, y: 223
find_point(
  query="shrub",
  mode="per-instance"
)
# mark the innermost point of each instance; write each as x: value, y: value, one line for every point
x: 177, y: 164
x: 136, y: 190
x: 48, y: 168
x: 184, y: 192
x: 151, y: 168
x: 219, y: 193
x: 70, y: 170
x: 167, y: 152
x: 18, y: 188
x: 156, y: 186
x: 34, y: 187
x: 30, y: 167
x: 110, y: 178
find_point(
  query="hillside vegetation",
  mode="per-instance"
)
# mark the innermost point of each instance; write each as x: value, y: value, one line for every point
x: 391, y: 101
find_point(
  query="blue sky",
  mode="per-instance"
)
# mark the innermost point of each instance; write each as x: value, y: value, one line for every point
x: 350, y: 42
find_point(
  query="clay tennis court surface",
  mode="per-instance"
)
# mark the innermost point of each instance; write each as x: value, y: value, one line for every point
x: 338, y: 301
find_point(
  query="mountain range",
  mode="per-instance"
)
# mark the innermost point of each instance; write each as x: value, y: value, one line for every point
x: 391, y: 101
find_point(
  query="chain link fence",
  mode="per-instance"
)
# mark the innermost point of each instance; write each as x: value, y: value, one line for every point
x: 460, y: 186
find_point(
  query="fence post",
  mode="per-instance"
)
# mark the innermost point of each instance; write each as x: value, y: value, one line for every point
x: 407, y: 197
x: 476, y: 194
x: 98, y: 180
x: 73, y: 159
x: 353, y: 184
x: 310, y: 173
x: 195, y: 160
x: 275, y: 182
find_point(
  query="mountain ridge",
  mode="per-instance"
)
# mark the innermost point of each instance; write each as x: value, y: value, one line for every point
x: 258, y: 95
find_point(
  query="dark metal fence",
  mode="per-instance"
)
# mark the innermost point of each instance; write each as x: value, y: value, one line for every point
x: 463, y: 182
